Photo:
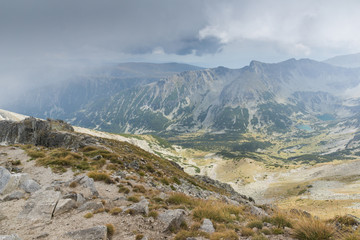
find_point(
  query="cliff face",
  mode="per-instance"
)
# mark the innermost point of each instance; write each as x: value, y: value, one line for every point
x: 50, y: 133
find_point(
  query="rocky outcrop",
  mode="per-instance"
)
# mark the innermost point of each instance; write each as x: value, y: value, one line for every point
x: 48, y: 133
x: 91, y: 206
x: 10, y: 182
x: 64, y: 205
x: 30, y: 186
x: 172, y: 219
x: 141, y: 207
x: 94, y: 233
x: 41, y: 205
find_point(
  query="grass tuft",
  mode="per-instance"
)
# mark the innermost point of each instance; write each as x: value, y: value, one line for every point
x: 313, y: 229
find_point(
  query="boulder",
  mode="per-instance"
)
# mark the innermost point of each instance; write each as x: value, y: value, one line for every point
x: 94, y: 233
x: 172, y: 219
x: 88, y: 183
x: 30, y: 186
x: 141, y: 207
x: 91, y: 206
x: 10, y: 237
x: 14, y: 196
x: 5, y: 176
x: 207, y: 226
x: 10, y: 182
x: 64, y: 205
x: 41, y: 205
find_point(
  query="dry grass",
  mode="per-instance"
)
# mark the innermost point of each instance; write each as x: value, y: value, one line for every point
x: 313, y: 229
x: 217, y: 211
x: 139, y: 189
x: 100, y: 176
x: 134, y: 199
x: 257, y: 224
x: 185, y: 234
x: 110, y: 229
x: 88, y: 215
x: 182, y: 199
x: 247, y: 232
x: 153, y: 214
x: 227, y: 235
x: 279, y: 219
x: 115, y: 211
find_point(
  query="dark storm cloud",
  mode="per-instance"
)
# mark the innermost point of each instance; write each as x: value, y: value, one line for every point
x: 53, y: 27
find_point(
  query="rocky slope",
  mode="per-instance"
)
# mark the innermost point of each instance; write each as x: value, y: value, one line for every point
x: 59, y: 184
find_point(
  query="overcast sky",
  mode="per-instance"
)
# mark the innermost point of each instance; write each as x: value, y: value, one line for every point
x: 49, y: 40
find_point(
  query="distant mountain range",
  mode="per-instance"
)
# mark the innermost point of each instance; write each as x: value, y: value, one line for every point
x: 350, y: 61
x: 179, y: 98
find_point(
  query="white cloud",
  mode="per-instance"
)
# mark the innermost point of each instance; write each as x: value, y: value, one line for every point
x: 298, y: 27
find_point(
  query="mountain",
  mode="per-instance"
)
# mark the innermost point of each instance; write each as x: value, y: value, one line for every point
x: 62, y: 100
x: 258, y: 97
x: 349, y: 61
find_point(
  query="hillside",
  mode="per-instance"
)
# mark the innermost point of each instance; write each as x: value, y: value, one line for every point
x: 56, y: 183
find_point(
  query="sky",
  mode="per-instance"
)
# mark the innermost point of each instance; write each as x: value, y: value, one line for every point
x: 45, y: 41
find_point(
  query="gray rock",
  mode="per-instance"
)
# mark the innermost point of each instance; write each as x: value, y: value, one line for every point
x: 141, y: 207
x: 94, y: 233
x: 257, y: 211
x: 91, y: 206
x: 207, y: 226
x: 10, y: 237
x: 10, y: 182
x: 172, y: 219
x: 80, y: 199
x: 14, y: 196
x: 4, y: 178
x: 30, y: 186
x: 64, y: 205
x: 41, y: 205
x: 88, y: 183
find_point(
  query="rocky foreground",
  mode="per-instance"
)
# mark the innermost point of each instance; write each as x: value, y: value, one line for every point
x: 58, y: 184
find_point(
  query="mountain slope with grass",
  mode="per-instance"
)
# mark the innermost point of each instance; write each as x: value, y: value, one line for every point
x: 57, y: 183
